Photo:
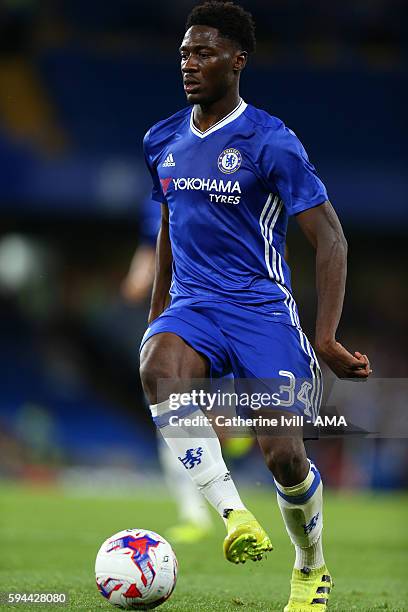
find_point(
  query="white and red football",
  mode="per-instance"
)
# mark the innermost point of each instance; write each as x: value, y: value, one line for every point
x: 136, y: 569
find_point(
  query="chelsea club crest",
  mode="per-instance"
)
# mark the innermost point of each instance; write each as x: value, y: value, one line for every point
x: 229, y: 161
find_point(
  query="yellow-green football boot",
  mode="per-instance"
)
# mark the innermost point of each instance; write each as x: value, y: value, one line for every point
x: 245, y: 539
x: 309, y: 590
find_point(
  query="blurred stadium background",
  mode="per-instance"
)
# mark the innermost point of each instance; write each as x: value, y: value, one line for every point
x: 80, y: 83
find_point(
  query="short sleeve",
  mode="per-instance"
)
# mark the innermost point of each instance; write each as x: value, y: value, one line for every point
x: 157, y: 193
x: 291, y: 173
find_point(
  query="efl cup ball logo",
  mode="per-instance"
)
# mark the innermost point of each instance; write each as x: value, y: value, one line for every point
x: 229, y: 161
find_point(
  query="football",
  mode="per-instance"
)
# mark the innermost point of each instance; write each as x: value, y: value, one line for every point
x: 136, y: 569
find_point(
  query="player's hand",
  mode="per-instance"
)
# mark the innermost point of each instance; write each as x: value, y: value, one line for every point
x: 343, y: 363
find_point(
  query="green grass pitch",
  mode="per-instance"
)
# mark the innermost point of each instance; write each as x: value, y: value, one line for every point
x: 49, y: 540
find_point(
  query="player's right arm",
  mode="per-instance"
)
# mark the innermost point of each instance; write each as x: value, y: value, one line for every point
x: 163, y: 268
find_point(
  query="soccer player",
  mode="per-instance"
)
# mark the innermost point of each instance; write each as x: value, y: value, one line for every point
x: 228, y: 175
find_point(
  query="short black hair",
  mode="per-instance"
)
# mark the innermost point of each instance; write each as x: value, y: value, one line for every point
x: 230, y: 19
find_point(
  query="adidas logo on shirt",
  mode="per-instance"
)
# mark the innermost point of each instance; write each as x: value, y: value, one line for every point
x: 169, y: 161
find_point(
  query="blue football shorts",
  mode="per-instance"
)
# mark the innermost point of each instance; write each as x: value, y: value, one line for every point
x: 264, y: 355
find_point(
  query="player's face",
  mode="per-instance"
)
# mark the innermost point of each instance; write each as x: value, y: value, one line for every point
x: 209, y: 64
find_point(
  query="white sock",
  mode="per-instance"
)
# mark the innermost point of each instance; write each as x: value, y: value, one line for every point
x: 301, y: 507
x: 198, y: 449
x: 191, y: 505
x: 222, y: 494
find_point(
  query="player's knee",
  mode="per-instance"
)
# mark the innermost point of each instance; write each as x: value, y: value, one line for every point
x: 167, y: 364
x: 158, y: 378
x: 159, y: 371
x: 149, y: 381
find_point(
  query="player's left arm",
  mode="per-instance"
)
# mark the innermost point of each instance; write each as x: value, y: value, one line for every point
x: 323, y: 229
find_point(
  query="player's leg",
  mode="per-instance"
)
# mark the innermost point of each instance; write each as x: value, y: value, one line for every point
x: 299, y: 493
x: 300, y: 499
x: 194, y: 519
x: 167, y: 356
x: 282, y: 360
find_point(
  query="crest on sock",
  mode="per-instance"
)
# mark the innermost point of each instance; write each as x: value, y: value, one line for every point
x: 308, y: 528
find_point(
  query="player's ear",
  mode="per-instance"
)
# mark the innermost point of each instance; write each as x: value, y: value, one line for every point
x: 240, y: 61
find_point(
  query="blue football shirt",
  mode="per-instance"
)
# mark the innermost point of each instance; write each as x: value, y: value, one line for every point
x: 230, y: 191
